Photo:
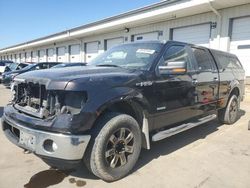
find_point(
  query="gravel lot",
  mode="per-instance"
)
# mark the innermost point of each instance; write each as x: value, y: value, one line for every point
x: 212, y: 155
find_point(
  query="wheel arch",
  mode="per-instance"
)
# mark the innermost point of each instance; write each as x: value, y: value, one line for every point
x: 133, y: 107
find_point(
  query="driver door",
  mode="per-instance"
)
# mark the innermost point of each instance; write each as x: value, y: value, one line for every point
x: 174, y: 93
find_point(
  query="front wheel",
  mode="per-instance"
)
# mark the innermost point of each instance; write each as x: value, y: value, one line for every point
x: 229, y: 114
x: 116, y: 147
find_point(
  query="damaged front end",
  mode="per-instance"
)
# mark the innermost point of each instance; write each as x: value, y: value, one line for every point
x: 45, y: 121
x: 52, y: 110
x: 35, y: 100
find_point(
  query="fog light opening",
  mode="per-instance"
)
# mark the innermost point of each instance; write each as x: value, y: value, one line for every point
x: 50, y: 146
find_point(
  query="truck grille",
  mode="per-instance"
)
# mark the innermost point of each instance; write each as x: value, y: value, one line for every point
x: 33, y: 99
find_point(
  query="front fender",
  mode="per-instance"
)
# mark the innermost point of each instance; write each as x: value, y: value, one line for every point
x: 97, y: 103
x: 101, y: 101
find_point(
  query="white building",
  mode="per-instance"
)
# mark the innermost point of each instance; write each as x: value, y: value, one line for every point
x: 219, y: 24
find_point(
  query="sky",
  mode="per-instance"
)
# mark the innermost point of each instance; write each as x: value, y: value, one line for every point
x: 24, y: 20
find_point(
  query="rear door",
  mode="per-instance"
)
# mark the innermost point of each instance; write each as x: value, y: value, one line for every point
x: 206, y: 80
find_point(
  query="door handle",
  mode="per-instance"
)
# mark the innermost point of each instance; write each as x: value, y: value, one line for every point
x: 195, y: 81
x: 216, y: 79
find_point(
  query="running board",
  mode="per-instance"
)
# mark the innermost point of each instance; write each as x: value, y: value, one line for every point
x: 170, y: 132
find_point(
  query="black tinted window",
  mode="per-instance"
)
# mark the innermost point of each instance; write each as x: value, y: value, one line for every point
x: 2, y: 64
x: 227, y: 62
x: 203, y: 60
x: 174, y: 54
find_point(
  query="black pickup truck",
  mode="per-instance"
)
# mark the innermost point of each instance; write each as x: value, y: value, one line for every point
x: 131, y: 95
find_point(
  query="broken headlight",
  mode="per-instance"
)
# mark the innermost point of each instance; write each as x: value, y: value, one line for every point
x: 73, y: 102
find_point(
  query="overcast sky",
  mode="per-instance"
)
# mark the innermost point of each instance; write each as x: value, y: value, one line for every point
x: 24, y: 20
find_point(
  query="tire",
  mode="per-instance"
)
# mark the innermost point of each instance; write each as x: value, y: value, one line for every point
x: 114, y: 148
x: 229, y: 114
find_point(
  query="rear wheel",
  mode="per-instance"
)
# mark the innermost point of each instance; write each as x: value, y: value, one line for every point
x: 229, y: 114
x: 115, y: 148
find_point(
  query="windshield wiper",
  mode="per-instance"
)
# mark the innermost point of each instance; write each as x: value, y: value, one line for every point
x: 107, y: 65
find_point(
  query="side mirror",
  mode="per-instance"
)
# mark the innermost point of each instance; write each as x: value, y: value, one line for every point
x: 173, y: 67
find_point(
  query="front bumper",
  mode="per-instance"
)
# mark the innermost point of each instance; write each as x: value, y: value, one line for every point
x: 45, y: 143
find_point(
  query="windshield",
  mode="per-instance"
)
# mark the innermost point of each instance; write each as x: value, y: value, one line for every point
x: 13, y: 66
x: 131, y: 56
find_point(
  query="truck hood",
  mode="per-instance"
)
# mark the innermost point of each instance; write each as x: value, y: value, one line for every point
x: 79, y: 78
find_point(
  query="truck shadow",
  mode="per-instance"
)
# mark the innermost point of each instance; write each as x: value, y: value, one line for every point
x: 172, y: 144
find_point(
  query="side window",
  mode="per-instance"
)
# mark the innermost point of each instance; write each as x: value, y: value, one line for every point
x: 51, y: 65
x: 227, y: 62
x: 43, y: 66
x: 203, y: 60
x: 174, y: 54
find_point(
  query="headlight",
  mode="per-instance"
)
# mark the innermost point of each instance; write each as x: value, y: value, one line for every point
x: 73, y: 102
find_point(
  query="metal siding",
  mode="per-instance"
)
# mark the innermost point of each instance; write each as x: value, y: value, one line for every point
x: 61, y: 54
x: 74, y: 55
x: 42, y: 56
x: 146, y: 36
x: 34, y: 56
x: 50, y: 53
x: 92, y: 50
x: 113, y: 42
x: 22, y: 57
x: 28, y: 57
x: 240, y: 41
x: 197, y: 34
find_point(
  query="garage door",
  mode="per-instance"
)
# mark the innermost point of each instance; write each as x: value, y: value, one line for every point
x: 114, y: 42
x: 92, y: 49
x: 74, y: 55
x: 240, y: 41
x: 61, y: 54
x: 147, y: 36
x: 51, y: 53
x: 18, y: 58
x: 197, y: 34
x: 28, y: 56
x: 22, y: 57
x: 42, y: 56
x: 34, y: 56
x: 14, y: 57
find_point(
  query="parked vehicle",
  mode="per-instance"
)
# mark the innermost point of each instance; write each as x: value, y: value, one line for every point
x: 128, y: 97
x: 62, y: 65
x: 3, y: 65
x: 8, y: 76
x: 15, y: 66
